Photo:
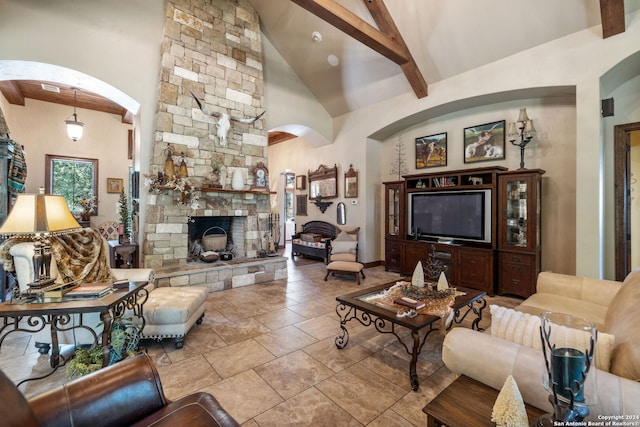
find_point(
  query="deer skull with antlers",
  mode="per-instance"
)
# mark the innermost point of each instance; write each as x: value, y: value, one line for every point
x: 224, y: 120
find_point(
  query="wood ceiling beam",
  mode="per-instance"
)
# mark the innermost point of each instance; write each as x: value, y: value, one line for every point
x: 127, y: 117
x: 386, y: 24
x: 354, y: 26
x: 277, y: 137
x: 388, y: 42
x: 12, y: 92
x: 612, y: 16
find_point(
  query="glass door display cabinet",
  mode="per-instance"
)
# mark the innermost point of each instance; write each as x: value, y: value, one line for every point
x: 519, y: 231
x: 394, y: 226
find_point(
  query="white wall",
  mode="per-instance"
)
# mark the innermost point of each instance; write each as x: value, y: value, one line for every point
x: 552, y: 150
x: 574, y: 183
x: 39, y: 127
x: 123, y: 50
x: 114, y: 41
x: 290, y: 106
x: 626, y: 110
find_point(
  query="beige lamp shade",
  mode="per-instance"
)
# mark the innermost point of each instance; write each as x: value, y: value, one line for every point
x: 37, y: 214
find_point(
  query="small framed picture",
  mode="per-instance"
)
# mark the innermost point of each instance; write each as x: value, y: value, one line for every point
x: 431, y: 151
x: 484, y: 142
x: 301, y: 182
x: 301, y: 205
x: 114, y: 185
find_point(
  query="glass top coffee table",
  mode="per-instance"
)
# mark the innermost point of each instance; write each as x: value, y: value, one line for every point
x: 356, y: 306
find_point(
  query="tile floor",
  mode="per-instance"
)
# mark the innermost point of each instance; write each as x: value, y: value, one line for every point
x: 267, y: 353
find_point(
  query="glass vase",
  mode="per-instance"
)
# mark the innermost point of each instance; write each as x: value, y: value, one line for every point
x: 568, y: 345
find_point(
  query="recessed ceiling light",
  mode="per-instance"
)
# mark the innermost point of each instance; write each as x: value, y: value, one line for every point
x: 333, y: 60
x: 50, y: 88
x: 316, y: 37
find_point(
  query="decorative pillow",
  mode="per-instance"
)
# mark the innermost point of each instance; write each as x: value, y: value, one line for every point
x: 349, y: 230
x: 622, y: 321
x: 310, y: 237
x: 524, y: 329
x: 343, y: 247
x: 346, y: 237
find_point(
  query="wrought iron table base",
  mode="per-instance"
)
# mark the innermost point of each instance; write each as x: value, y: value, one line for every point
x: 347, y: 313
x: 60, y: 322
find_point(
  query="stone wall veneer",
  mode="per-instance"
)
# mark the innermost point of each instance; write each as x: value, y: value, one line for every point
x: 213, y: 49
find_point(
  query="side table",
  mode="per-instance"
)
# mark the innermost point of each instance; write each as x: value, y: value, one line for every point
x: 31, y: 317
x: 469, y: 403
x: 123, y: 255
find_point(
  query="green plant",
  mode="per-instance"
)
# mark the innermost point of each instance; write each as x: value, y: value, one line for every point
x: 84, y: 362
x: 216, y: 167
x: 124, y: 343
x: 123, y: 208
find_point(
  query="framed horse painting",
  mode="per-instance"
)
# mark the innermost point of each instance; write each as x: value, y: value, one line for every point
x: 431, y: 151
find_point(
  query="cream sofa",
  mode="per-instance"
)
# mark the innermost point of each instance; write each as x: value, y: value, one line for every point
x: 612, y: 306
x: 169, y: 312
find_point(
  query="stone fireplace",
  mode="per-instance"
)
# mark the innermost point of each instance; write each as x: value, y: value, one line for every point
x: 211, y: 49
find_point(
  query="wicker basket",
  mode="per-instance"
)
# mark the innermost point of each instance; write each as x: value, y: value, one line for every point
x: 216, y: 242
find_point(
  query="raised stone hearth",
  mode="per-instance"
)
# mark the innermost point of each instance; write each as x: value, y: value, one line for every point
x: 221, y: 275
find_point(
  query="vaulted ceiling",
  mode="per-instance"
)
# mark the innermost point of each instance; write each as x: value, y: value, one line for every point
x: 380, y: 49
x: 388, y: 47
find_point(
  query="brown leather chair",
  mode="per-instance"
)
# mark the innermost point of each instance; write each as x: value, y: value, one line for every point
x: 124, y: 394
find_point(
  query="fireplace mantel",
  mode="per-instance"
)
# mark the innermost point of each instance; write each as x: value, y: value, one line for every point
x: 226, y: 190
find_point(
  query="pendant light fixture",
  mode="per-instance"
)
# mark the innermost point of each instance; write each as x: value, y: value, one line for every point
x: 74, y: 127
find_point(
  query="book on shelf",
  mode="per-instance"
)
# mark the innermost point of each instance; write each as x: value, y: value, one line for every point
x: 410, y: 302
x: 90, y: 290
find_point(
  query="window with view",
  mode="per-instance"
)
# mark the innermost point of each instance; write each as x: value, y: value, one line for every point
x: 74, y: 178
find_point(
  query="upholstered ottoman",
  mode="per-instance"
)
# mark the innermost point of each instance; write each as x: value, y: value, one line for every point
x: 170, y: 312
x: 345, y: 267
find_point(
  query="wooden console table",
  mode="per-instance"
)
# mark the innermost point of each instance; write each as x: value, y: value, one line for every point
x: 469, y: 403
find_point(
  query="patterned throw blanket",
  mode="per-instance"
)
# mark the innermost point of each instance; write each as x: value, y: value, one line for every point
x: 81, y: 256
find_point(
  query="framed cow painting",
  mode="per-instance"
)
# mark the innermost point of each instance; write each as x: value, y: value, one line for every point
x: 431, y: 151
x: 484, y: 142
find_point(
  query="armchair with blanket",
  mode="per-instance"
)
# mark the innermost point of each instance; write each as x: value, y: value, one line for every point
x: 512, y: 345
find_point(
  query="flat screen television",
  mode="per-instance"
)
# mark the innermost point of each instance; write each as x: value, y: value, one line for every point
x: 451, y: 216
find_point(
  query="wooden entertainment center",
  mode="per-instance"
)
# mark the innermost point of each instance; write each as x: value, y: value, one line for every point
x: 507, y: 262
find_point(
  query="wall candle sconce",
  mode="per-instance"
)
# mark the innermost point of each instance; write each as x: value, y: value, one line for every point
x: 522, y: 130
x: 169, y: 168
x: 182, y: 169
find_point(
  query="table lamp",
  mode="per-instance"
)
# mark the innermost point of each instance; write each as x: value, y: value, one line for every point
x: 568, y: 345
x: 39, y: 216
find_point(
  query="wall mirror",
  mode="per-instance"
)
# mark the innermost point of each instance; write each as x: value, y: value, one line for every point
x: 341, y: 214
x: 323, y: 183
x: 351, y: 183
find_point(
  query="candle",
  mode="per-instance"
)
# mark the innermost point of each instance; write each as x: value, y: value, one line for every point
x: 567, y: 366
